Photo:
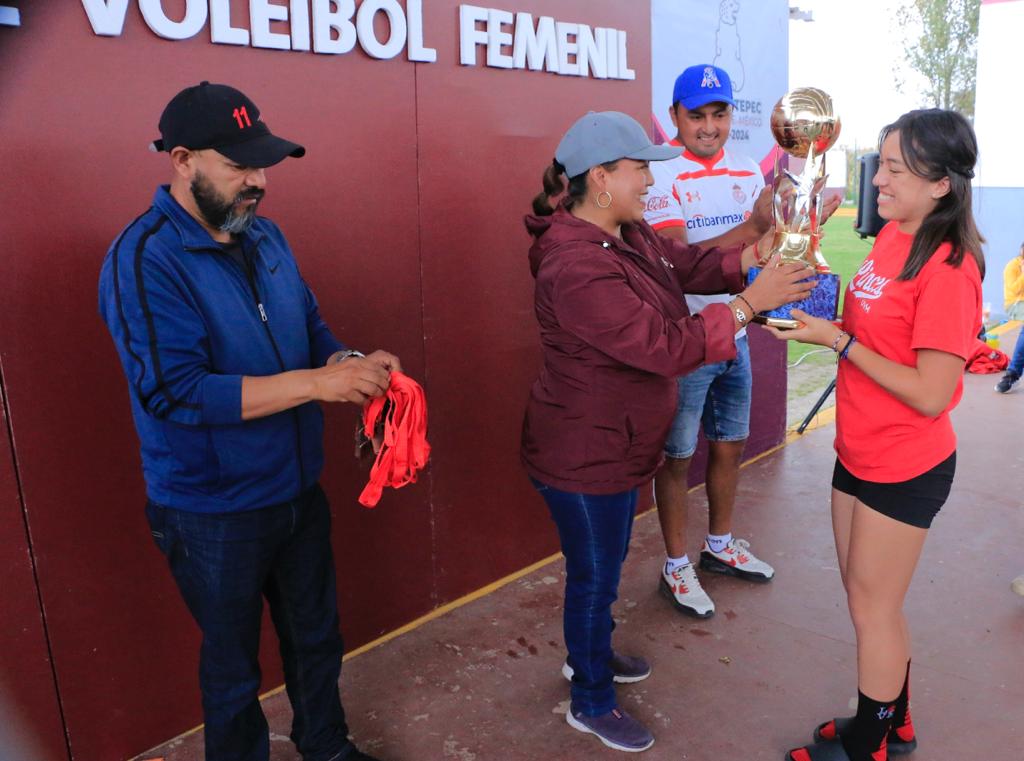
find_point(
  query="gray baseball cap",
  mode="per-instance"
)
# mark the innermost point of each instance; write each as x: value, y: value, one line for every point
x: 603, y: 136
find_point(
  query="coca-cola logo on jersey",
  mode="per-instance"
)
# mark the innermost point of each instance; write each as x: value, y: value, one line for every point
x: 658, y: 203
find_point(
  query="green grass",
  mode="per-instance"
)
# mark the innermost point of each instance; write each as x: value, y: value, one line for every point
x: 844, y: 250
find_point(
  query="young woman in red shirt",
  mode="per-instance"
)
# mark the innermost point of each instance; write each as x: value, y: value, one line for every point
x: 615, y: 334
x: 910, y: 316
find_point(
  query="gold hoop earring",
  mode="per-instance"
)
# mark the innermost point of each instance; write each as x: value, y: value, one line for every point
x: 598, y: 200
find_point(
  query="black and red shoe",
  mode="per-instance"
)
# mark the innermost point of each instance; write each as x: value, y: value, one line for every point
x: 900, y: 740
x: 830, y: 750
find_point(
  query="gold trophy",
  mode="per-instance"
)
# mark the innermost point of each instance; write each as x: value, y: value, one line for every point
x: 805, y: 126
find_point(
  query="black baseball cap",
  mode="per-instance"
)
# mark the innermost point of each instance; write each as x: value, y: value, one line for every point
x: 224, y: 119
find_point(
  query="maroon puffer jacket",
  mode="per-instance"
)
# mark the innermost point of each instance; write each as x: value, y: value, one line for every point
x: 615, y: 333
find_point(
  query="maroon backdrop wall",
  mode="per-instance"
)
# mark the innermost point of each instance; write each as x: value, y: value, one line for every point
x: 405, y: 216
x: 28, y: 697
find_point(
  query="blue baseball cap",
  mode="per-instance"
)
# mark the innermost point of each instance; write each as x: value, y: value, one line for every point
x: 702, y: 84
x: 603, y: 136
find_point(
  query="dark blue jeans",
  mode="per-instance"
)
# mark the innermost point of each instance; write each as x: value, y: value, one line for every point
x: 595, y: 531
x: 224, y: 565
x: 1017, y: 360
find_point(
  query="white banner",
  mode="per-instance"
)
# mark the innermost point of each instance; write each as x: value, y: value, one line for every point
x: 998, y: 109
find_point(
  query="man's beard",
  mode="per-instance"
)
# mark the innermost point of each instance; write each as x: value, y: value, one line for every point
x: 220, y: 214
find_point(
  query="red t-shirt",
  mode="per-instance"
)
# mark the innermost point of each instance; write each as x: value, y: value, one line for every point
x: 878, y: 437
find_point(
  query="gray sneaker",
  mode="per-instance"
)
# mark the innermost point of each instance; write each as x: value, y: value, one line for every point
x: 1008, y: 381
x: 616, y: 729
x: 626, y: 669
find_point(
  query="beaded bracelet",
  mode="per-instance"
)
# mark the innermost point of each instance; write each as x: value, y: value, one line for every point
x: 750, y: 306
x: 835, y: 344
x: 846, y: 349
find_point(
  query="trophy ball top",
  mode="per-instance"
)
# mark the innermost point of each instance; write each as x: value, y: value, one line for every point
x: 804, y: 119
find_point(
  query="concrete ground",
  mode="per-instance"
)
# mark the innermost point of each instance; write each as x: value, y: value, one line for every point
x: 482, y: 682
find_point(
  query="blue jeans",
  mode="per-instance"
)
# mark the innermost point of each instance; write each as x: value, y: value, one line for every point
x: 717, y: 395
x: 224, y: 565
x: 595, y: 531
x: 1017, y: 360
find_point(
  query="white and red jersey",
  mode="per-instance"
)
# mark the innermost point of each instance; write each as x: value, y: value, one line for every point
x: 706, y: 196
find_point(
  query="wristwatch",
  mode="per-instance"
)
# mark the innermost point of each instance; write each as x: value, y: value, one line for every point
x: 344, y: 354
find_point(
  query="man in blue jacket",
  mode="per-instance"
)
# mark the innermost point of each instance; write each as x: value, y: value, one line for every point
x: 226, y: 357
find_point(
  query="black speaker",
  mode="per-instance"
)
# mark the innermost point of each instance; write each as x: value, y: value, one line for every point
x: 868, y: 221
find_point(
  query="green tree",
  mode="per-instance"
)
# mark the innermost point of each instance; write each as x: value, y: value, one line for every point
x: 853, y: 156
x: 941, y: 44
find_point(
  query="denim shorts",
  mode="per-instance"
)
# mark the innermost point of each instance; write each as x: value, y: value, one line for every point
x: 717, y: 394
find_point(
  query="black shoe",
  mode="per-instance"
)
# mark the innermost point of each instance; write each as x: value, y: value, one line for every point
x: 900, y: 741
x: 1008, y: 381
x: 358, y: 755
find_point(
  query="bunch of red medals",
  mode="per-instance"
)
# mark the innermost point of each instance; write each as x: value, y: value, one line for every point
x: 403, y: 411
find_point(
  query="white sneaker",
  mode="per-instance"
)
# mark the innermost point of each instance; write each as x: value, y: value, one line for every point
x: 736, y: 560
x: 683, y: 587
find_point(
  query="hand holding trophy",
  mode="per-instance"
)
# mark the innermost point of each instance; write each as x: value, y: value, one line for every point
x: 805, y: 126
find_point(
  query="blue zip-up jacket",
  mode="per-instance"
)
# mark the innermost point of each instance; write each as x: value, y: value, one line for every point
x: 188, y: 322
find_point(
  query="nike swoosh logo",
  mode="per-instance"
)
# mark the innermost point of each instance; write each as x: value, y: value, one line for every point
x: 273, y: 267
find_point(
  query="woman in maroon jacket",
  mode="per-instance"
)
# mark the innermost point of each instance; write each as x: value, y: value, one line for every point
x: 616, y: 333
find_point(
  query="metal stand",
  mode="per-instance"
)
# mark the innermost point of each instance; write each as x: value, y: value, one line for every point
x: 817, y: 406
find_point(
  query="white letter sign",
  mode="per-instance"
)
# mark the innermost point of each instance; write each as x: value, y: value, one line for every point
x: 106, y: 16
x: 221, y: 30
x: 195, y: 19
x: 333, y: 14
x: 396, y: 22
x: 511, y: 40
x: 261, y: 13
x: 469, y: 35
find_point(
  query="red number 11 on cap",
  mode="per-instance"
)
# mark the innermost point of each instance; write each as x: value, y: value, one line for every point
x: 239, y: 113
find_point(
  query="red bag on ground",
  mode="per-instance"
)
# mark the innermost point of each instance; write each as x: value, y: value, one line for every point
x: 405, y: 450
x: 986, y: 360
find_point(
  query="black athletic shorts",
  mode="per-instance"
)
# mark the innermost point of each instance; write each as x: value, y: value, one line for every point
x: 915, y: 502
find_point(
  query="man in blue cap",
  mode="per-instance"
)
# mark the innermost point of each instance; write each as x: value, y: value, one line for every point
x: 711, y: 197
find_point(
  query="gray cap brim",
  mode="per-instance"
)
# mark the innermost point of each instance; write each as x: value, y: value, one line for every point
x: 602, y: 136
x: 662, y: 152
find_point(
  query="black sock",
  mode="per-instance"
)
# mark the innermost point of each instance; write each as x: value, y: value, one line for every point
x: 901, y: 718
x: 870, y: 726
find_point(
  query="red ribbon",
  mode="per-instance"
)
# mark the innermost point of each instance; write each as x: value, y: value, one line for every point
x: 405, y: 451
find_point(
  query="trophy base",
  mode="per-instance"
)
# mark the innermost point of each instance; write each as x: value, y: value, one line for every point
x: 823, y: 302
x: 776, y: 322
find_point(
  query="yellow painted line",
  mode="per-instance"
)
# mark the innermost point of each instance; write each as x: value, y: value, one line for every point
x: 845, y: 211
x: 1006, y: 327
x: 822, y: 419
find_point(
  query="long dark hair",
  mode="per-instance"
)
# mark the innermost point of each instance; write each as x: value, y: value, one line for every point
x: 554, y: 186
x: 936, y: 143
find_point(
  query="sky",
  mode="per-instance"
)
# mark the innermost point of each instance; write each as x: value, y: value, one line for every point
x: 849, y: 51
